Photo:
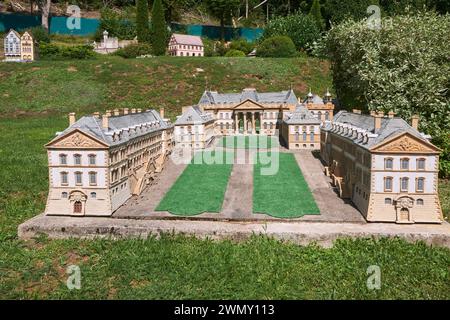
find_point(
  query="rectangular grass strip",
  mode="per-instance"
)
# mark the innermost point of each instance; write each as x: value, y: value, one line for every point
x: 284, y: 194
x: 200, y: 188
x: 248, y: 142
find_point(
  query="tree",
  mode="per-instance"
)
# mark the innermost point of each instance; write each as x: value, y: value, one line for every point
x: 222, y: 10
x: 158, y: 29
x: 142, y: 29
x: 317, y: 15
x: 44, y: 7
x: 341, y: 10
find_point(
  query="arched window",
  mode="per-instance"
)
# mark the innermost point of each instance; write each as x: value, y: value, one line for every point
x: 419, y: 202
x: 404, y: 164
x: 64, y: 195
x: 304, y: 135
x: 388, y: 184
x: 404, y: 184
x: 78, y: 178
x: 64, y: 178
x: 297, y: 136
x: 327, y: 115
x: 92, y: 178
x: 311, y: 136
x: 387, y: 201
x: 62, y: 159
x: 77, y: 207
x: 388, y: 164
x: 77, y: 159
x: 92, y: 159
x: 420, y: 184
x: 93, y: 195
x: 421, y: 164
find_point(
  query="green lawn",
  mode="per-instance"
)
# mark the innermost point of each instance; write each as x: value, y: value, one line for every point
x: 249, y: 142
x: 200, y: 188
x: 284, y: 194
x: 174, y: 267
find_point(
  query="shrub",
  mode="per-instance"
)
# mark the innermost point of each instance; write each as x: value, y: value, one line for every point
x: 276, y: 47
x: 404, y: 68
x: 208, y: 47
x: 242, y: 45
x: 342, y: 10
x: 235, y: 53
x: 40, y: 34
x: 134, y: 50
x: 301, y: 28
x: 121, y: 25
x: 65, y: 52
x: 142, y: 26
x: 159, y: 34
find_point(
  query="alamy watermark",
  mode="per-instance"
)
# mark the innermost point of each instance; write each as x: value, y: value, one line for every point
x: 374, y: 20
x: 374, y: 277
x: 74, y: 278
x: 73, y: 22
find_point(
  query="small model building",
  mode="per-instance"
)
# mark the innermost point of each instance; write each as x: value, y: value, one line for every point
x: 185, y: 45
x: 111, y: 44
x: 18, y: 48
x: 97, y: 163
x: 194, y: 128
x: 385, y: 166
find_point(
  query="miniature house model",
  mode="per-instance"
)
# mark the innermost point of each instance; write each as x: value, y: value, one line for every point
x: 18, y: 48
x: 186, y: 45
x: 111, y: 44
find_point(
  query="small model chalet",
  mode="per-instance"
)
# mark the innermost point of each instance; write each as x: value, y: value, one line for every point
x: 186, y: 45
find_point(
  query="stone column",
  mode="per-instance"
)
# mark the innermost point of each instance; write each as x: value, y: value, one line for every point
x: 236, y: 123
x: 245, y: 122
x: 253, y: 123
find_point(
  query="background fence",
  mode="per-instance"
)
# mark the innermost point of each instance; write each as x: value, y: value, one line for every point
x: 58, y: 25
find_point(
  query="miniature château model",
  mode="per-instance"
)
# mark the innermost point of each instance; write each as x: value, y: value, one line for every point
x: 111, y: 44
x: 97, y: 163
x: 384, y: 165
x: 18, y: 48
x: 186, y: 45
x: 194, y: 128
x: 252, y: 112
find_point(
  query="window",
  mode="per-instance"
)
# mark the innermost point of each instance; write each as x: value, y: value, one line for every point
x: 388, y: 184
x: 421, y: 164
x: 64, y: 195
x: 92, y: 178
x: 304, y: 136
x: 327, y: 116
x: 62, y: 159
x: 420, y: 183
x: 388, y: 164
x: 419, y: 202
x: 311, y: 136
x: 297, y: 136
x: 92, y: 159
x: 78, y: 178
x: 387, y: 201
x: 77, y: 207
x: 77, y: 159
x: 404, y: 163
x: 93, y: 195
x: 64, y: 178
x: 404, y: 184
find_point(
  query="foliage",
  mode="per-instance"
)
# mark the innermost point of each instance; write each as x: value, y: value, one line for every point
x: 159, y: 34
x: 317, y: 15
x: 235, y: 53
x: 222, y: 10
x: 142, y: 25
x: 48, y: 50
x: 276, y: 47
x: 242, y: 45
x: 338, y: 11
x: 40, y: 34
x: 301, y: 28
x: 404, y: 68
x: 134, y: 50
x: 121, y: 25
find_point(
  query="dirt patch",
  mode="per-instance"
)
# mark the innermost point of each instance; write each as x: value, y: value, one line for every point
x: 72, y: 69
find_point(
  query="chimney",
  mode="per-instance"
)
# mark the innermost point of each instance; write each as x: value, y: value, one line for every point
x: 357, y: 111
x: 377, y: 121
x: 161, y: 113
x: 96, y: 114
x: 125, y: 110
x: 139, y: 110
x: 72, y: 118
x: 105, y: 121
x: 133, y: 110
x: 415, y: 121
x: 391, y: 114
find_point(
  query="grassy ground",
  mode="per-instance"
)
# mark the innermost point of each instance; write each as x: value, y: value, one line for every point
x: 174, y: 267
x: 200, y: 188
x: 284, y: 194
x: 113, y: 82
x: 248, y: 142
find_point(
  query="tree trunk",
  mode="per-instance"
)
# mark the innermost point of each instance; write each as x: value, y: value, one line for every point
x: 45, y: 12
x: 222, y: 29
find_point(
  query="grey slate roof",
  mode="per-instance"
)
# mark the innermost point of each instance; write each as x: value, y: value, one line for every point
x: 194, y: 115
x: 389, y: 128
x: 119, y: 124
x: 315, y: 99
x: 213, y: 97
x: 301, y: 115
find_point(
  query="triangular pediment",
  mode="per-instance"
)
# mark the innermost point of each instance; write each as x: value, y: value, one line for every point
x: 76, y: 139
x: 405, y: 143
x: 248, y: 105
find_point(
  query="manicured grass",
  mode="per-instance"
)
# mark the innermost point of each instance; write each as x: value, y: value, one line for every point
x: 284, y: 193
x: 200, y: 188
x: 248, y: 142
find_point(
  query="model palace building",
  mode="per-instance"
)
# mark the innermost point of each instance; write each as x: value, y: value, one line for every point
x: 385, y: 166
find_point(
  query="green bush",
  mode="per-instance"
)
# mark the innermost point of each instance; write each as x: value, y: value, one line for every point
x: 235, y: 53
x: 276, y: 47
x: 48, y: 50
x: 121, y: 25
x: 134, y: 50
x: 208, y: 47
x: 301, y: 28
x: 39, y: 34
x: 158, y: 31
x: 403, y: 67
x: 142, y: 25
x: 242, y: 45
